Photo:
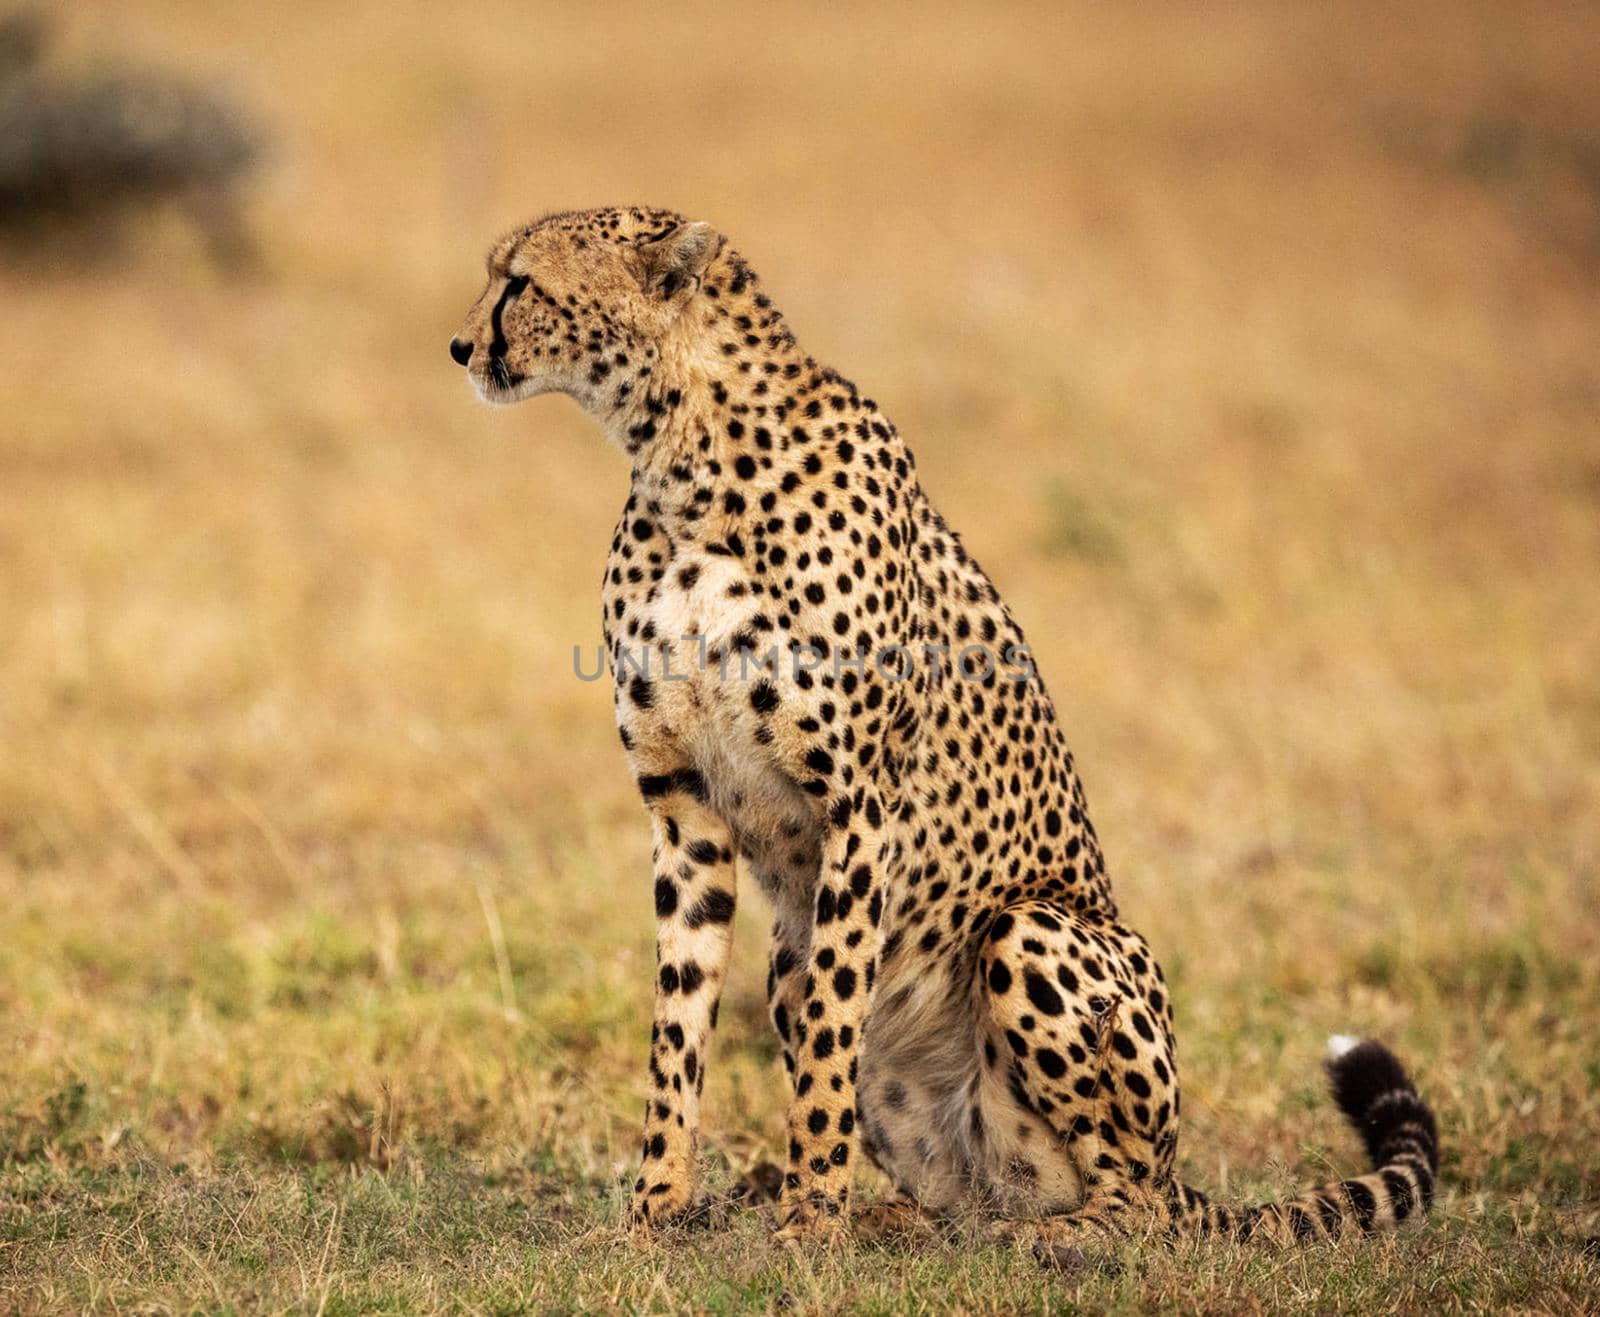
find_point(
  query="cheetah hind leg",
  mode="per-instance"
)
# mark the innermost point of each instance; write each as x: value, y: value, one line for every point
x: 1077, y: 1038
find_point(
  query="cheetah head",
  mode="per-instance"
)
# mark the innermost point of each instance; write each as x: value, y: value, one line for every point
x: 583, y: 303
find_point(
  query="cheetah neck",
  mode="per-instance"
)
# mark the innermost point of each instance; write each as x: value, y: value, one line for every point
x: 699, y: 419
x: 726, y: 414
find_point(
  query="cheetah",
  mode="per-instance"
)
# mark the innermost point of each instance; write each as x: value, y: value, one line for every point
x: 815, y: 680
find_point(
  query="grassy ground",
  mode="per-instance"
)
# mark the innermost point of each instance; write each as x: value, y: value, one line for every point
x: 1254, y: 353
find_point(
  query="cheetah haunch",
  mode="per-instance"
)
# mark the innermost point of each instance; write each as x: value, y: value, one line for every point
x: 813, y: 676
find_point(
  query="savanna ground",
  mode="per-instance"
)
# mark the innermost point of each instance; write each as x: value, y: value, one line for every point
x: 1255, y: 352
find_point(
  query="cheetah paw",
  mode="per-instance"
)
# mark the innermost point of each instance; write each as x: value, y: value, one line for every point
x: 674, y: 1208
x: 892, y: 1220
x: 811, y: 1222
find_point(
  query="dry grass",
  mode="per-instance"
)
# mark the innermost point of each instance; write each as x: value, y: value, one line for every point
x: 1254, y: 351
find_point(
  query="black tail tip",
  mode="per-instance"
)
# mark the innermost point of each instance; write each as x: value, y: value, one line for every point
x: 1376, y: 1094
x: 1360, y: 1071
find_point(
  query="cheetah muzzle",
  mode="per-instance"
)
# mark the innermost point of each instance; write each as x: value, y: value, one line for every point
x: 813, y: 678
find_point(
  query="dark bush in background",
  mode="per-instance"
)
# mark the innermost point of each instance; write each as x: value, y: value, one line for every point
x: 74, y: 147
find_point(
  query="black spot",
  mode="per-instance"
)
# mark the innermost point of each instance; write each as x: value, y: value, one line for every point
x: 1041, y: 993
x: 703, y: 851
x: 715, y: 907
x: 1362, y: 1201
x: 1400, y: 1198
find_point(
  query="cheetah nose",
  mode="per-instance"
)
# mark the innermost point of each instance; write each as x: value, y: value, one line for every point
x: 460, y: 351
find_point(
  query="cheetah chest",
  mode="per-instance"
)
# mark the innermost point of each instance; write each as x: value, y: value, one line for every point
x: 701, y: 707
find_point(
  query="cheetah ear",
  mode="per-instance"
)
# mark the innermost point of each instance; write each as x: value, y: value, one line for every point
x: 676, y: 260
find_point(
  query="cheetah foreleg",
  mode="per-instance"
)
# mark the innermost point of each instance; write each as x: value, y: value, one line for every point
x: 694, y: 898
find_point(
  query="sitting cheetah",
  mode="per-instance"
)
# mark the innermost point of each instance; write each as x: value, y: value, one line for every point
x: 814, y: 677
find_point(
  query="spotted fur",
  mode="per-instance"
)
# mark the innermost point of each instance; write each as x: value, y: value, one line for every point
x: 955, y: 992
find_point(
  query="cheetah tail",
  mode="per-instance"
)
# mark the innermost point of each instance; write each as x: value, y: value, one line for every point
x: 1402, y: 1137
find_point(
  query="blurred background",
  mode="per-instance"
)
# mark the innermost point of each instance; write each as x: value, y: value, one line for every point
x: 1252, y: 348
